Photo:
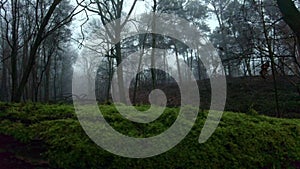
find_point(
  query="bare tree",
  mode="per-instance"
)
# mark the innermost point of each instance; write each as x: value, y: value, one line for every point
x: 110, y: 11
x: 27, y: 25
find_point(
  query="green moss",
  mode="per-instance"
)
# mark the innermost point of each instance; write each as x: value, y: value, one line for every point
x: 240, y: 141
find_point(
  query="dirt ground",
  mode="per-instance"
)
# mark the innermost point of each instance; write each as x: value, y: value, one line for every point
x: 11, y: 156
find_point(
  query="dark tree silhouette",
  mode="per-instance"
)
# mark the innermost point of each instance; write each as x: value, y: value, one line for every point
x: 291, y: 15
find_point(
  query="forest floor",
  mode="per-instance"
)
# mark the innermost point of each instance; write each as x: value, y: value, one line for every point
x: 17, y: 155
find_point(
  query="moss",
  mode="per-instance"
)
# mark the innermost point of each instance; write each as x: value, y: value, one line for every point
x: 240, y: 141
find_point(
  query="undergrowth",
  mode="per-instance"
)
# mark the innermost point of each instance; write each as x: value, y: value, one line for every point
x: 240, y: 141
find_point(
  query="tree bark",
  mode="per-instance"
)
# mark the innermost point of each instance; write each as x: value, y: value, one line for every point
x: 14, y: 48
x: 291, y: 15
x: 153, y: 71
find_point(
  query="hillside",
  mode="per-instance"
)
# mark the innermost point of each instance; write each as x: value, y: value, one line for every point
x: 243, y: 94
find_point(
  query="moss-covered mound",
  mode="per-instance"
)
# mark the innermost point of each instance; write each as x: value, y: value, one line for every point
x: 240, y: 141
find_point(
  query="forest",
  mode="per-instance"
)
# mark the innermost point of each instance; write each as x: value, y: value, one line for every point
x: 235, y: 62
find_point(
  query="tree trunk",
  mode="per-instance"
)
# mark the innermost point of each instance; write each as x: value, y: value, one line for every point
x: 54, y: 79
x: 137, y: 76
x: 153, y: 71
x: 272, y: 58
x: 178, y: 64
x: 47, y: 81
x: 4, y: 79
x: 110, y: 76
x: 120, y: 74
x: 14, y: 49
x: 291, y: 15
x: 4, y: 89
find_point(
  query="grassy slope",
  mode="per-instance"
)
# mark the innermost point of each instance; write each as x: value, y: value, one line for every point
x: 240, y: 141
